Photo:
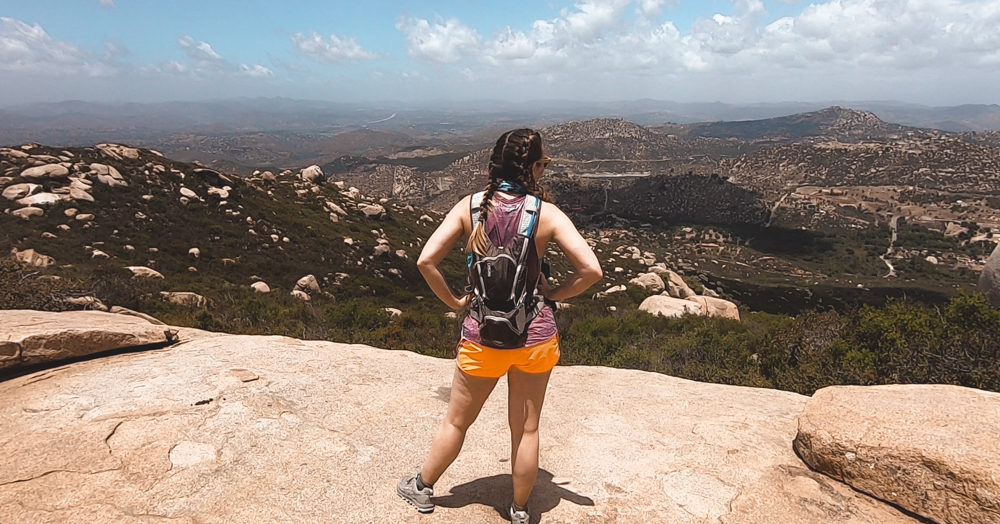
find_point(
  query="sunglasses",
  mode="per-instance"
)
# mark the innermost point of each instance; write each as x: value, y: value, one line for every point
x: 544, y: 162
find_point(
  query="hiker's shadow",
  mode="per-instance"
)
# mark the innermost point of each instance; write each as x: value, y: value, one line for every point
x: 497, y: 492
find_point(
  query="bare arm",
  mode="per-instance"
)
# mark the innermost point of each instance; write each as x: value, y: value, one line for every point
x: 587, y: 267
x: 437, y: 248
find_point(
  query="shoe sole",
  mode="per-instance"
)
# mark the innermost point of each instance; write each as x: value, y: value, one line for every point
x: 414, y: 504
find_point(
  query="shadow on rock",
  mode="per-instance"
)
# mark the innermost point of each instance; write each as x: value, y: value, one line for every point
x: 497, y: 492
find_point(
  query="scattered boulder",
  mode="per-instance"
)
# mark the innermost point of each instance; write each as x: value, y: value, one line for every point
x: 71, y: 212
x: 118, y: 310
x: 426, y: 218
x: 41, y: 199
x: 308, y: 284
x: 382, y: 250
x: 99, y: 254
x: 301, y: 295
x: 144, y: 272
x: 648, y: 281
x: 393, y: 312
x: 119, y: 152
x: 85, y: 217
x: 28, y: 212
x: 451, y: 315
x: 676, y: 286
x: 187, y: 192
x: 195, y: 252
x: 932, y: 260
x: 669, y: 306
x: 18, y: 191
x: 86, y: 302
x: 716, y: 307
x: 31, y: 337
x: 46, y: 172
x: 929, y: 449
x: 184, y: 299
x: 33, y: 258
x: 312, y: 174
x: 334, y: 208
x: 222, y: 193
x: 989, y: 279
x: 80, y: 195
x: 372, y: 210
x: 260, y: 287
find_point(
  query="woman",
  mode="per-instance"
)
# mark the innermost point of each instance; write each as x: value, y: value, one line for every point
x: 516, y: 164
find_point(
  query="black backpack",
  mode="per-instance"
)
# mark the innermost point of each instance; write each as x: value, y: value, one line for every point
x: 504, y: 301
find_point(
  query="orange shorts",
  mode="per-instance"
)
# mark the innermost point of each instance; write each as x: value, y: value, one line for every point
x: 486, y: 362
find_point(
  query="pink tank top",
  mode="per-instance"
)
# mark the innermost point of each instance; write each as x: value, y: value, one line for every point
x: 501, y: 227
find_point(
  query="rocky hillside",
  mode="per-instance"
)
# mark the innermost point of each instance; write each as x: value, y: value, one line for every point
x: 940, y: 162
x: 835, y: 123
x: 242, y: 429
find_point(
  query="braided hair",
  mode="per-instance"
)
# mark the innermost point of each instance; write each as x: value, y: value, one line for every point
x: 513, y: 158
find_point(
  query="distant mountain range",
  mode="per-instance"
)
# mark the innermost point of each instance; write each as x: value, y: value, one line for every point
x: 78, y: 123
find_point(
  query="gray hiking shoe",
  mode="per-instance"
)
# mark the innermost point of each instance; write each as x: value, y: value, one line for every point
x: 517, y: 517
x: 418, y: 498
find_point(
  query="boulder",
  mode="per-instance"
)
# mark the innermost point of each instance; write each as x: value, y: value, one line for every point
x: 33, y: 258
x: 669, y: 306
x: 188, y: 193
x: 84, y: 217
x: 178, y: 435
x: 989, y: 279
x: 372, y: 210
x: 929, y: 449
x: 32, y: 337
x: 222, y: 193
x: 308, y: 284
x: 86, y: 302
x: 184, y: 299
x: 382, y: 250
x: 80, y: 195
x: 46, y: 172
x: 144, y: 272
x: 18, y: 191
x: 676, y: 286
x: 41, y: 199
x: 334, y: 208
x: 195, y: 252
x: 118, y: 310
x: 716, y: 307
x: 260, y: 287
x: 393, y: 312
x: 312, y: 174
x: 119, y: 152
x: 301, y: 295
x: 28, y: 212
x: 648, y: 281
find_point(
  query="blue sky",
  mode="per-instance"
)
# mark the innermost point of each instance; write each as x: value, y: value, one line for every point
x: 937, y: 52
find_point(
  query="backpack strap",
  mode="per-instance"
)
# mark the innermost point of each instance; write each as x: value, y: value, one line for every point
x: 476, y: 207
x: 529, y: 216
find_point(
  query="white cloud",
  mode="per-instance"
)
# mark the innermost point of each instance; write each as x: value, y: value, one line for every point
x: 335, y: 49
x: 256, y: 71
x: 28, y: 48
x: 200, y: 52
x: 444, y: 41
x: 833, y: 39
x: 106, y: 3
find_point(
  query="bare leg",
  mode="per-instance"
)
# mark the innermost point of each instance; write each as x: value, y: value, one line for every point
x: 527, y: 392
x: 468, y: 394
